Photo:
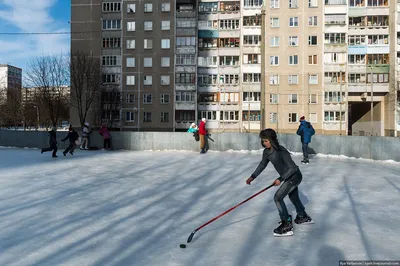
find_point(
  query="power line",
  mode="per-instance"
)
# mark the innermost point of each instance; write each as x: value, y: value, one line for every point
x: 46, y: 33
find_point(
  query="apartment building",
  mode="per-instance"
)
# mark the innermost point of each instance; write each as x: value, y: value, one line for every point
x: 29, y: 94
x: 135, y: 43
x: 10, y: 81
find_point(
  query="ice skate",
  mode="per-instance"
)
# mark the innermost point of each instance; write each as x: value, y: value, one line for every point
x: 285, y: 228
x: 306, y: 219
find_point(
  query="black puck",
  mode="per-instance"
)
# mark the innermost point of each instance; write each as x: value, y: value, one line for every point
x: 182, y: 246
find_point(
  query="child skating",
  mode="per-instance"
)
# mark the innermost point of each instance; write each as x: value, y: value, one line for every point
x: 290, y: 178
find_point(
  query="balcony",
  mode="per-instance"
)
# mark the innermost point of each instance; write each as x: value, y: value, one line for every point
x: 185, y: 87
x: 186, y: 49
x: 335, y: 67
x: 186, y: 32
x: 186, y: 14
x: 185, y: 106
x: 182, y: 124
x: 208, y: 106
x: 335, y: 47
x: 378, y: 68
x: 366, y: 87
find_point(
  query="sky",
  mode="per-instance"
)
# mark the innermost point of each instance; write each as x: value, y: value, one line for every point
x: 134, y: 208
x: 27, y: 16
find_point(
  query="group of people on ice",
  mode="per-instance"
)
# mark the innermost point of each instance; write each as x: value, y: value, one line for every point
x: 290, y: 175
x: 73, y: 138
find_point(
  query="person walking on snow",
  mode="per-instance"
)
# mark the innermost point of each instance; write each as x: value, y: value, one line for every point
x: 72, y: 136
x: 85, y: 136
x: 305, y: 131
x: 107, y: 137
x: 52, y: 142
x: 195, y: 130
x: 202, y: 133
x: 290, y: 178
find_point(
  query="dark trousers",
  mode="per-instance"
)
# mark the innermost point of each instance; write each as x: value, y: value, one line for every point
x: 107, y: 142
x: 70, y: 148
x: 52, y: 148
x: 305, y: 150
x: 289, y: 187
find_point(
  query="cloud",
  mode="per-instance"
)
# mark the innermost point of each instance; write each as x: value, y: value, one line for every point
x: 31, y: 16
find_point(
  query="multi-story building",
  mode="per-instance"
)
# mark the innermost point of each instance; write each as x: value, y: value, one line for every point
x: 29, y: 94
x: 10, y: 82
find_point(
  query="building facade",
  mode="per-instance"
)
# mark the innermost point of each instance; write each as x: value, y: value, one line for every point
x: 174, y: 62
x: 10, y: 81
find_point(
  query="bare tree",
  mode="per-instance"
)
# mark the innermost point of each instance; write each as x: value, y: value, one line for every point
x: 49, y: 75
x: 86, y: 74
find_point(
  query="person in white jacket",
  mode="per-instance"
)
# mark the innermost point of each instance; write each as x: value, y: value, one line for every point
x: 85, y: 136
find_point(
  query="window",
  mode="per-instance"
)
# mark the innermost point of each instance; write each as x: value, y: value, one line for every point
x: 148, y: 80
x: 274, y: 60
x: 148, y: 62
x: 293, y: 98
x: 378, y: 59
x: 165, y: 7
x: 229, y: 24
x: 207, y: 61
x: 229, y: 79
x: 251, y: 96
x: 191, y: 23
x: 111, y: 7
x: 274, y: 79
x: 131, y: 8
x: 293, y: 60
x: 251, y: 59
x: 131, y: 26
x: 357, y: 78
x: 313, y: 117
x: 312, y: 40
x: 293, y: 4
x: 312, y: 98
x: 334, y: 96
x: 146, y: 116
x: 335, y: 38
x: 335, y: 116
x: 274, y: 41
x: 252, y: 3
x: 147, y: 98
x: 312, y: 59
x: 185, y: 59
x: 274, y: 4
x: 111, y: 78
x: 251, y: 77
x: 273, y: 117
x: 313, y: 21
x: 293, y: 79
x: 251, y: 39
x: 234, y: 60
x: 185, y: 96
x: 165, y: 25
x: 251, y: 115
x: 164, y: 98
x: 165, y: 80
x: 251, y: 21
x: 335, y: 58
x: 209, y: 115
x: 130, y: 80
x: 164, y: 117
x: 340, y: 2
x: 148, y: 25
x: 334, y: 77
x: 130, y: 62
x: 335, y: 19
x: 111, y: 42
x: 111, y: 24
x: 313, y: 79
x: 274, y: 98
x: 148, y: 44
x: 207, y: 79
x: 148, y: 8
x: 185, y: 78
x: 293, y: 41
x: 185, y: 41
x: 312, y: 3
x: 165, y: 61
x: 130, y: 98
x: 293, y: 118
x: 377, y: 78
x: 111, y: 60
x: 165, y: 43
x: 293, y: 22
x: 130, y: 44
x: 357, y: 40
x: 229, y: 116
x: 274, y: 22
x: 130, y: 117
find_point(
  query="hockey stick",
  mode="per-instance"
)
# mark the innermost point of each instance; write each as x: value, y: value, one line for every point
x: 222, y: 214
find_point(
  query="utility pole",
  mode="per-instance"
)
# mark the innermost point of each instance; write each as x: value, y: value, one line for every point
x: 372, y: 103
x: 340, y: 102
x: 248, y: 115
x: 262, y: 94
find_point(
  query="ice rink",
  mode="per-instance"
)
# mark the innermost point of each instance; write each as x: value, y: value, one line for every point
x: 135, y: 208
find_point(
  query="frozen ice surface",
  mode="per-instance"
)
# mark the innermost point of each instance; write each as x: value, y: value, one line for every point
x: 135, y: 208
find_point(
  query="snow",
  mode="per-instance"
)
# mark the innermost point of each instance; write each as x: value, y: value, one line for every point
x: 136, y: 207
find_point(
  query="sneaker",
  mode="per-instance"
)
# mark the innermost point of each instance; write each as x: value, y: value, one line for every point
x: 285, y: 228
x: 305, y: 161
x: 202, y: 151
x: 306, y: 219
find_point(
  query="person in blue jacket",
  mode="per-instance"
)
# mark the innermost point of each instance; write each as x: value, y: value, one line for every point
x: 305, y: 131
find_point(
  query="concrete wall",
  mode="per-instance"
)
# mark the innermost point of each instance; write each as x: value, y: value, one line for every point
x: 377, y: 148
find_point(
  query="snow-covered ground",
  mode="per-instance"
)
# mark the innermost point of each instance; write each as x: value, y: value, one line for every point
x: 135, y: 208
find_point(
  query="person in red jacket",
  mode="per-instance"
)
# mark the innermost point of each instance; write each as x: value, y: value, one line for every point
x: 202, y: 133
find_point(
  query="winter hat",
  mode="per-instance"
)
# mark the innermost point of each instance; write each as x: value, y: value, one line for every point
x: 204, y: 120
x: 86, y: 124
x: 193, y: 125
x: 270, y: 134
x: 302, y: 118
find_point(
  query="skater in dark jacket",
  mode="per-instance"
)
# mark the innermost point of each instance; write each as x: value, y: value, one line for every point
x: 290, y: 178
x: 305, y: 131
x: 72, y: 136
x: 52, y: 142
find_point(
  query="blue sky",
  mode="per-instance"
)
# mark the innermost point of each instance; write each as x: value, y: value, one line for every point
x: 33, y: 16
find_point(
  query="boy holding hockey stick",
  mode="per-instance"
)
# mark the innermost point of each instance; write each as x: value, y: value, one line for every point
x: 290, y: 177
